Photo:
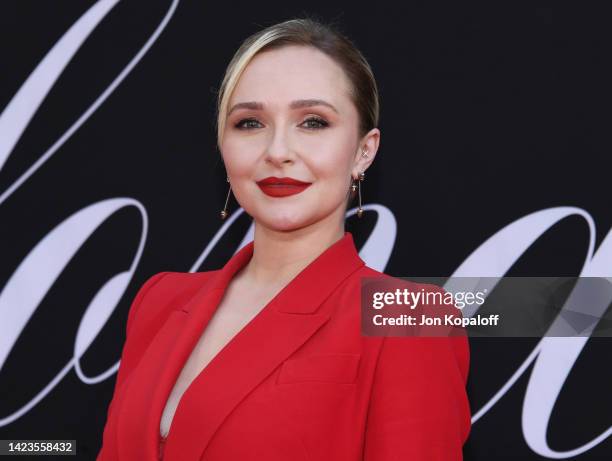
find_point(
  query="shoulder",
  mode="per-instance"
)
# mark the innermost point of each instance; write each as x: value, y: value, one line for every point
x: 431, y: 354
x: 419, y: 381
x: 367, y: 274
x: 164, y: 291
x: 171, y: 283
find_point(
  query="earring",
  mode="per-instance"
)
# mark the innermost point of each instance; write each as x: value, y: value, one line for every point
x: 357, y: 187
x: 224, y: 211
x: 361, y: 178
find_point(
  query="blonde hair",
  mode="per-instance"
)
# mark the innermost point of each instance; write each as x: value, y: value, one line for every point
x: 306, y: 32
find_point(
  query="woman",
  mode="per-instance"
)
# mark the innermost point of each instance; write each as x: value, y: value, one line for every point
x: 263, y: 359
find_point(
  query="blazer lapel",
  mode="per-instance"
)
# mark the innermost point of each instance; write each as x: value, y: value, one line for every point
x: 282, y: 326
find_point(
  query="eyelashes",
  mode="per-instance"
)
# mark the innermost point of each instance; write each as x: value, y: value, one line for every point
x: 319, y: 123
x: 241, y: 124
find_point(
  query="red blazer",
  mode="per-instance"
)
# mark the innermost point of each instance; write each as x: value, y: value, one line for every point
x: 299, y: 382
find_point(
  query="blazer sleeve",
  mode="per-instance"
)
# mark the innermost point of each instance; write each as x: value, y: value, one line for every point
x: 419, y: 408
x: 125, y: 364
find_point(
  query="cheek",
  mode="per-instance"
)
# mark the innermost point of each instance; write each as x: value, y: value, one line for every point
x: 332, y: 168
x: 238, y: 158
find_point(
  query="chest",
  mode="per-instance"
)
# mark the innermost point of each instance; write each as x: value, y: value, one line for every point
x: 234, y: 312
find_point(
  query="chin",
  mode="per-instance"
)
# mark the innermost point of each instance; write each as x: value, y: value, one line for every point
x: 284, y: 223
x: 285, y: 220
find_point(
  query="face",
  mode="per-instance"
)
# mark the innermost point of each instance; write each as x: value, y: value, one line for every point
x: 316, y: 145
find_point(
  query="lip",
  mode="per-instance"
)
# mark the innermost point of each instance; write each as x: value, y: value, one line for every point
x: 282, y: 187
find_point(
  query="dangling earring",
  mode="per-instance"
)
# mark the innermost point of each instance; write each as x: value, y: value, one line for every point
x: 361, y: 178
x: 224, y: 211
x: 364, y: 153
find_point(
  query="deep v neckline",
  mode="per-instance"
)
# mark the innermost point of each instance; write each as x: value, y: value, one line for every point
x: 223, y: 291
x: 240, y: 364
x: 227, y: 274
x: 162, y: 444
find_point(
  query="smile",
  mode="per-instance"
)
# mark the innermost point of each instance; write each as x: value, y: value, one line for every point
x: 282, y: 187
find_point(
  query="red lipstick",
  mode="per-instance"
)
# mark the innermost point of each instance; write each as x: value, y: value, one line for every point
x: 281, y: 187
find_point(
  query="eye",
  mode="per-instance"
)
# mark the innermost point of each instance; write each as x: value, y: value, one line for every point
x: 241, y: 123
x: 318, y: 123
x: 313, y: 123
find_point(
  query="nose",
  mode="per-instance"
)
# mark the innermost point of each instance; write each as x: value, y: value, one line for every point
x: 279, y: 151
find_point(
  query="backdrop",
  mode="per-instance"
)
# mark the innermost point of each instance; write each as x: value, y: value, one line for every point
x: 495, y: 142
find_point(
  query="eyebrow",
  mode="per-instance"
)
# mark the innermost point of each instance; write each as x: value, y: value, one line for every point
x: 298, y: 104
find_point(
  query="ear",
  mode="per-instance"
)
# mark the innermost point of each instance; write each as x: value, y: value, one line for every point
x: 368, y: 145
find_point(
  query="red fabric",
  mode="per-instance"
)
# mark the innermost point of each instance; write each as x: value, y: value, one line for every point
x: 162, y: 443
x: 298, y: 382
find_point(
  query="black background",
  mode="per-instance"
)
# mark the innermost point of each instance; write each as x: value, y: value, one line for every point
x: 489, y: 112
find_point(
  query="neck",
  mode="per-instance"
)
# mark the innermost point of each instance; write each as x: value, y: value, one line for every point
x: 279, y: 256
